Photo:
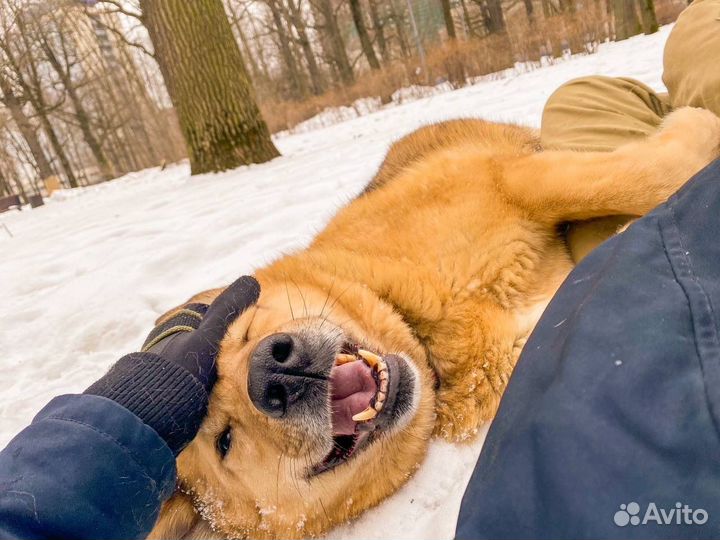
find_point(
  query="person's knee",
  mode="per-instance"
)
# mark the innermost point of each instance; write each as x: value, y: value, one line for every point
x: 569, y: 92
x: 596, y: 92
x: 570, y: 111
x: 600, y: 113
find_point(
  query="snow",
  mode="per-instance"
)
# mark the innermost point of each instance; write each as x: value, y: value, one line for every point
x: 83, y: 278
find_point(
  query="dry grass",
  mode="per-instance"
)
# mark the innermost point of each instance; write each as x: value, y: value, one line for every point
x: 463, y: 59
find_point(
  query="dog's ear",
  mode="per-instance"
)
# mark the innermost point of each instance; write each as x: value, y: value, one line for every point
x: 177, y: 518
x: 205, y: 297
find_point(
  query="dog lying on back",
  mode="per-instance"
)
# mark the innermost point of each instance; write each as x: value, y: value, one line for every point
x: 402, y: 320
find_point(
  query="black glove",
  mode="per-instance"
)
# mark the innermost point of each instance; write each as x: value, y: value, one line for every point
x: 167, y: 384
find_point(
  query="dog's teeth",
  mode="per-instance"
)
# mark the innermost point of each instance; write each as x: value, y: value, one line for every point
x: 371, y: 359
x: 367, y: 414
x: 342, y: 358
x: 379, y: 402
x: 384, y: 385
x: 383, y: 376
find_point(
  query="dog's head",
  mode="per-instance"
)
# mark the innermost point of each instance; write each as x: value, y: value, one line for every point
x: 323, y: 407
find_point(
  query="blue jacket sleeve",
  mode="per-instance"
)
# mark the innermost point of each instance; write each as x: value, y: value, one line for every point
x: 85, y: 468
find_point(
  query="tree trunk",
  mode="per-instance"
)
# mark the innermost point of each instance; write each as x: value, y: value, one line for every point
x: 142, y: 110
x: 20, y: 188
x: 254, y: 68
x: 246, y: 50
x: 529, y: 10
x: 113, y: 151
x: 297, y: 57
x: 299, y: 24
x: 260, y: 51
x: 493, y: 16
x: 58, y: 148
x: 399, y: 27
x: 4, y: 185
x: 626, y: 20
x: 27, y: 130
x: 468, y: 20
x: 33, y: 88
x: 207, y: 81
x: 365, y: 43
x: 447, y: 15
x: 335, y: 40
x: 649, y: 19
x: 379, y: 31
x: 296, y: 82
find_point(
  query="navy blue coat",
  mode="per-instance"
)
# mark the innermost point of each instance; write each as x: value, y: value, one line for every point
x: 614, y: 406
x: 85, y: 468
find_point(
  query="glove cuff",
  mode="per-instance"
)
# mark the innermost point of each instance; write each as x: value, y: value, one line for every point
x: 164, y: 395
x: 185, y: 319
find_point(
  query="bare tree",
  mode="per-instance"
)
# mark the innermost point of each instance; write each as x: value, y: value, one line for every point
x: 21, y: 58
x: 298, y: 21
x: 492, y: 15
x: 626, y: 19
x: 647, y: 13
x: 378, y: 24
x: 447, y: 16
x: 365, y: 42
x: 529, y: 11
x: 283, y: 36
x: 52, y: 33
x: 398, y: 18
x: 467, y: 18
x: 328, y: 24
x: 28, y: 131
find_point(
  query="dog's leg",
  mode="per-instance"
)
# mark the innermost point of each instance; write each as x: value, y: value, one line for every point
x: 568, y: 186
x: 473, y: 352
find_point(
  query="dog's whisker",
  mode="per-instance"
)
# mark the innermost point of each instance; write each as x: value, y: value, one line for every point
x: 323, y: 507
x: 327, y: 298
x: 277, y: 479
x: 332, y: 306
x: 292, y: 313
x: 305, y: 309
x: 294, y: 478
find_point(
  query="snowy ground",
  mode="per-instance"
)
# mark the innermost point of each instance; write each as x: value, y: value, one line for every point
x: 83, y: 278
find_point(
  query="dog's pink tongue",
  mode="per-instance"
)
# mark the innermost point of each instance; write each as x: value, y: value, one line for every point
x: 351, y: 387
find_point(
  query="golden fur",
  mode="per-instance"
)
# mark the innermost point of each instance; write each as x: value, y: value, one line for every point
x: 448, y: 257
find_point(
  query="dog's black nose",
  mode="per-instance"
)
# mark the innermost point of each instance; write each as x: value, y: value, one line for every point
x: 280, y: 373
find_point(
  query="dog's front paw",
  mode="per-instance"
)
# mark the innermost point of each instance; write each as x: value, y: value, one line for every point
x: 456, y: 418
x: 696, y: 132
x: 461, y: 411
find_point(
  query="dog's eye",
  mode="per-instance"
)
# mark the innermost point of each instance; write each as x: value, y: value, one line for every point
x: 223, y: 442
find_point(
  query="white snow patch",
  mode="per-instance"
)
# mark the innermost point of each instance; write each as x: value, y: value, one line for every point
x: 83, y: 278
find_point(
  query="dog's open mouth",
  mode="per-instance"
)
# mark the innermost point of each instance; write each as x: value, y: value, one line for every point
x: 363, y: 385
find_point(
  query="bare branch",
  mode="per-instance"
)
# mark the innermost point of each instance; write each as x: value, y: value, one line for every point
x: 120, y: 35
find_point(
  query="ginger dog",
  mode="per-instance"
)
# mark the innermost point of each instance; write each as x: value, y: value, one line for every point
x: 402, y: 320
